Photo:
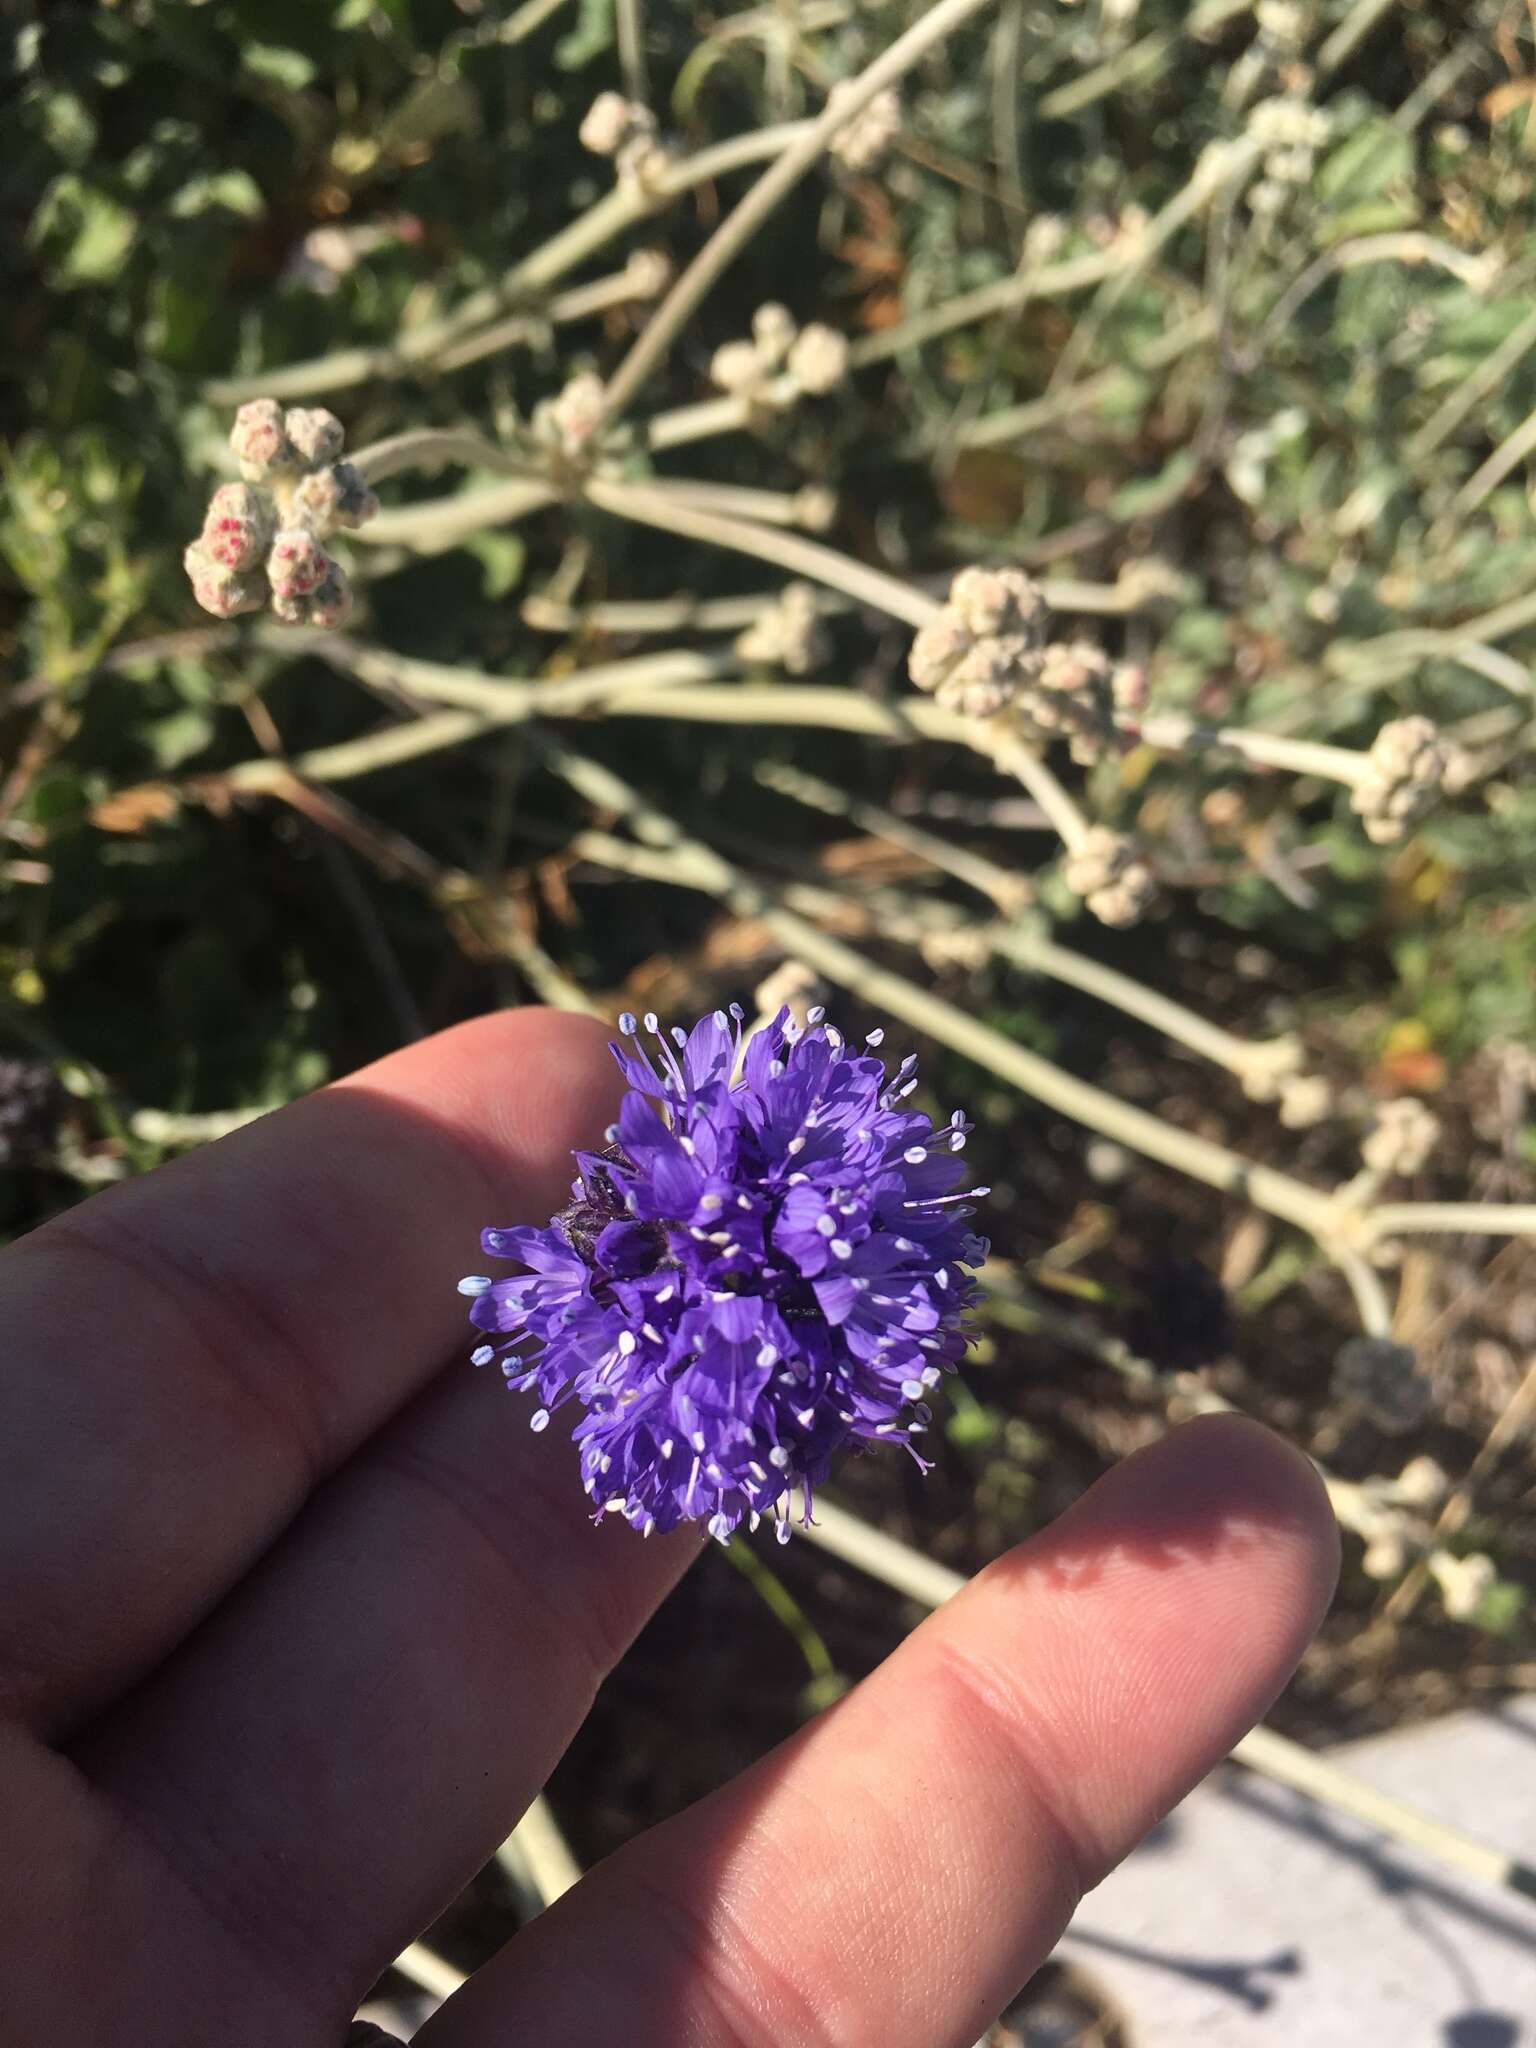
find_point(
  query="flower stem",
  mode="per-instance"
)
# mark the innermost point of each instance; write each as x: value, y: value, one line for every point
x: 617, y: 210
x: 1173, y: 734
x: 739, y: 226
x: 1311, y: 1208
x: 648, y: 505
x: 432, y: 447
x: 1016, y: 758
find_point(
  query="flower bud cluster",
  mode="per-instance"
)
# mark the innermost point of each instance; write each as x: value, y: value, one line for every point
x: 627, y: 131
x: 1290, y: 132
x: 1271, y: 1065
x: 261, y: 542
x: 863, y: 142
x: 1403, y: 1134
x: 1305, y: 1101
x: 1106, y: 869
x: 987, y: 650
x: 1382, y: 1379
x: 789, y: 634
x: 1464, y: 1582
x: 1406, y: 768
x: 1389, y: 1512
x: 1073, y: 698
x: 985, y: 646
x: 816, y: 358
x: 1284, y: 23
x: 567, y: 422
x: 648, y: 272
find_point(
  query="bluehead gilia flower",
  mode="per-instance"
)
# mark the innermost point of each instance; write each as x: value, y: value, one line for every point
x: 767, y: 1261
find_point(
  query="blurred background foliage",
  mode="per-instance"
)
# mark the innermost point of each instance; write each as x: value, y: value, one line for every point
x: 1282, y: 404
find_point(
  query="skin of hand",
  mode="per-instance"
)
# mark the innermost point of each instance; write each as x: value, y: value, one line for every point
x: 295, y: 1619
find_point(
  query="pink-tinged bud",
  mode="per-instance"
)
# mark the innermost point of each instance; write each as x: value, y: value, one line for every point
x: 327, y: 606
x: 237, y: 529
x: 260, y: 440
x: 223, y: 591
x: 296, y: 564
x: 316, y: 434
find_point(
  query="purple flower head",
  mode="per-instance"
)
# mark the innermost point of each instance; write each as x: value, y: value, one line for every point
x: 766, y: 1261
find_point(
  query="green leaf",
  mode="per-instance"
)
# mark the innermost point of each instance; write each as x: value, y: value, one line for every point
x: 1152, y: 494
x: 179, y: 736
x: 592, y: 35
x: 68, y: 127
x: 434, y: 108
x: 1500, y: 1609
x: 290, y: 68
x: 236, y: 191
x: 82, y: 231
x: 501, y: 555
x: 1365, y: 164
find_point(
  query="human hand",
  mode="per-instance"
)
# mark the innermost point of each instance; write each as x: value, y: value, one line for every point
x: 294, y: 1622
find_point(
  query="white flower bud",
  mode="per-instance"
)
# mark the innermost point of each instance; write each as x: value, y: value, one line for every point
x: 773, y: 330
x: 1070, y: 696
x: 1044, y: 239
x: 982, y: 650
x: 818, y: 359
x: 333, y: 497
x: 1304, y: 1101
x: 1402, y: 1136
x: 315, y: 434
x: 986, y: 601
x: 863, y: 141
x: 1464, y: 1582
x: 789, y: 633
x: 642, y: 160
x: 815, y: 507
x: 1269, y: 1065
x: 1406, y: 768
x: 648, y: 273
x: 608, y: 123
x: 260, y: 441
x: 575, y: 414
x: 1288, y: 123
x: 1421, y: 1484
x: 989, y: 675
x: 1105, y: 868
x: 1384, y: 1557
x: 736, y: 368
x: 1282, y: 22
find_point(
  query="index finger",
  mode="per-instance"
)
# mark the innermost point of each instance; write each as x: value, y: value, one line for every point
x: 189, y: 1354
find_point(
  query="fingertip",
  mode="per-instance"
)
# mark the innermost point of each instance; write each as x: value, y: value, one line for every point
x: 522, y: 1088
x: 1231, y: 1473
